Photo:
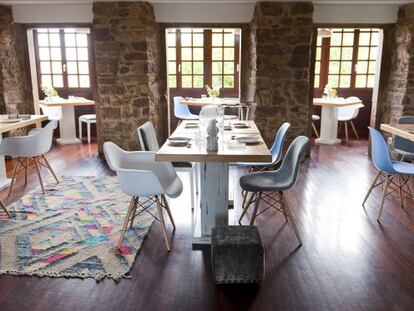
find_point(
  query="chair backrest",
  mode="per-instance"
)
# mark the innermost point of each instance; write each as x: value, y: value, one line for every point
x: 379, y: 152
x: 53, y: 113
x: 292, y: 160
x: 277, y: 146
x: 147, y: 137
x: 180, y: 111
x: 349, y: 112
x: 402, y: 143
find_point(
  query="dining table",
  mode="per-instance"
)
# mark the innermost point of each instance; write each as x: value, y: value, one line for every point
x: 67, y: 125
x: 7, y: 125
x: 403, y: 130
x: 214, y: 167
x: 329, y: 118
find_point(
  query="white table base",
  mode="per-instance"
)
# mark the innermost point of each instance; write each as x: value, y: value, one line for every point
x: 329, y: 126
x: 67, y: 127
x: 4, y: 181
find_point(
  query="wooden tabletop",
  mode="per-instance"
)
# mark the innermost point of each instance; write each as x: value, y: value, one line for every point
x: 403, y: 130
x: 200, y: 102
x: 67, y: 102
x: 6, y: 127
x: 336, y: 101
x: 227, y: 151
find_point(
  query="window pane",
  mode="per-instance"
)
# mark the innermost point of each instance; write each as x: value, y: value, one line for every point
x: 55, y: 54
x: 171, y: 39
x: 57, y: 80
x: 56, y: 67
x: 198, y: 81
x: 319, y: 41
x: 198, y: 39
x: 171, y: 54
x: 217, y: 39
x: 43, y: 39
x: 198, y: 68
x: 186, y: 81
x: 217, y: 81
x: 348, y: 39
x: 345, y: 81
x: 73, y: 81
x: 45, y: 67
x: 172, y: 81
x: 217, y: 53
x: 82, y: 54
x: 84, y: 81
x: 44, y: 54
x: 374, y: 38
x: 229, y: 53
x: 70, y: 39
x: 71, y: 54
x: 364, y: 38
x: 347, y: 53
x: 217, y: 68
x: 46, y: 80
x: 363, y: 53
x: 318, y: 53
x: 333, y: 67
x: 186, y: 68
x: 72, y: 68
x: 362, y: 67
x: 198, y: 54
x: 373, y: 53
x: 316, y: 84
x: 172, y: 68
x: 229, y: 67
x: 186, y: 53
x: 346, y: 67
x: 229, y: 39
x: 229, y: 81
x: 336, y: 39
x: 186, y: 39
x: 371, y: 81
x: 54, y: 39
x: 335, y: 54
x: 372, y: 67
x: 82, y: 39
x: 83, y: 67
x: 317, y: 67
x: 361, y: 81
x: 333, y: 80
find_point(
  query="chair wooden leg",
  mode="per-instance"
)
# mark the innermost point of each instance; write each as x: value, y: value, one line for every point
x: 16, y: 164
x: 3, y: 207
x: 371, y: 187
x: 346, y: 131
x: 247, y: 205
x: 280, y: 199
x: 88, y: 129
x: 315, y: 130
x: 256, y: 207
x: 400, y: 191
x: 384, y: 193
x: 134, y: 211
x: 163, y: 228
x: 167, y: 207
x: 50, y: 168
x: 354, y: 129
x: 35, y: 159
x: 80, y: 130
x: 291, y: 220
x: 125, y: 225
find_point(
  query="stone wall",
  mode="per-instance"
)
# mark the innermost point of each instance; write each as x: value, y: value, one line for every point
x: 283, y: 38
x: 129, y: 87
x: 397, y: 86
x: 15, y: 82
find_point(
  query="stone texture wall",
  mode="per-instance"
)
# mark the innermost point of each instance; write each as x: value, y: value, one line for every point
x: 397, y: 85
x: 15, y: 82
x: 283, y: 40
x: 129, y: 85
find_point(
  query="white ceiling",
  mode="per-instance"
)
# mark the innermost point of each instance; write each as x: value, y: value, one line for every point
x: 318, y: 2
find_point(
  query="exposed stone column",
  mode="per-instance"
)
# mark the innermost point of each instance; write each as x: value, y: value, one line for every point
x: 125, y: 39
x: 283, y: 34
x: 397, y: 89
x: 14, y: 64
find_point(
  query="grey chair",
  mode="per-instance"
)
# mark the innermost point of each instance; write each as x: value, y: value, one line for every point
x: 403, y: 146
x: 268, y: 186
x: 149, y: 142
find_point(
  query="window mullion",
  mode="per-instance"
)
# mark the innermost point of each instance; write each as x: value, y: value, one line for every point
x: 178, y: 58
x: 354, y: 57
x: 64, y: 61
x: 208, y: 64
x: 325, y: 50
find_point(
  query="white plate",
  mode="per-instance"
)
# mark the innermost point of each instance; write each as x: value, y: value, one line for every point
x: 241, y: 125
x: 249, y: 140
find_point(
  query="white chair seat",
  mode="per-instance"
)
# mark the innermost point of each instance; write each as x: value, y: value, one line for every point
x: 315, y: 117
x: 88, y: 119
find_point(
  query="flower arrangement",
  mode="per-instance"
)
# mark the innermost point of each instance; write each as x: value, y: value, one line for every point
x: 329, y: 91
x: 49, y: 91
x: 213, y: 92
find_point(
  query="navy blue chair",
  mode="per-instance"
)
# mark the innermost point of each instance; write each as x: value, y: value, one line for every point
x: 403, y: 146
x: 389, y: 170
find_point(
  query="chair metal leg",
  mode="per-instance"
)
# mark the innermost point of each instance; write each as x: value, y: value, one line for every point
x: 35, y: 159
x: 88, y: 129
x: 371, y: 187
x: 167, y: 207
x: 354, y: 129
x: 315, y: 130
x: 50, y: 168
x: 3, y: 207
x: 192, y: 182
x: 163, y: 228
x: 246, y: 207
x: 256, y: 207
x: 346, y: 132
x: 80, y: 129
x: 130, y: 208
x: 16, y: 163
x: 291, y: 220
x: 384, y: 193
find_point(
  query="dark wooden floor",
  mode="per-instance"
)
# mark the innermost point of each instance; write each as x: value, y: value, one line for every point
x: 348, y: 260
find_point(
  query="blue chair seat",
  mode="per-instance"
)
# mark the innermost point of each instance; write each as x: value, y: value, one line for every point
x: 403, y: 168
x: 265, y: 182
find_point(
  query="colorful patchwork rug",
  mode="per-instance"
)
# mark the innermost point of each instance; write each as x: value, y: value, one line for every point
x: 71, y: 231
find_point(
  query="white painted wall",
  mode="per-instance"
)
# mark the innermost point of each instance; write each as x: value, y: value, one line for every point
x: 206, y: 13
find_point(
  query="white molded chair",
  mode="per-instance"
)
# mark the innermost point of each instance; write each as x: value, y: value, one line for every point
x: 140, y: 176
x: 149, y: 142
x: 30, y: 151
x: 182, y: 112
x: 88, y: 119
x: 314, y: 119
x: 52, y: 113
x: 347, y: 114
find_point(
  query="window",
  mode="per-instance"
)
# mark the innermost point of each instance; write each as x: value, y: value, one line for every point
x: 196, y: 57
x: 347, y: 59
x: 62, y: 57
